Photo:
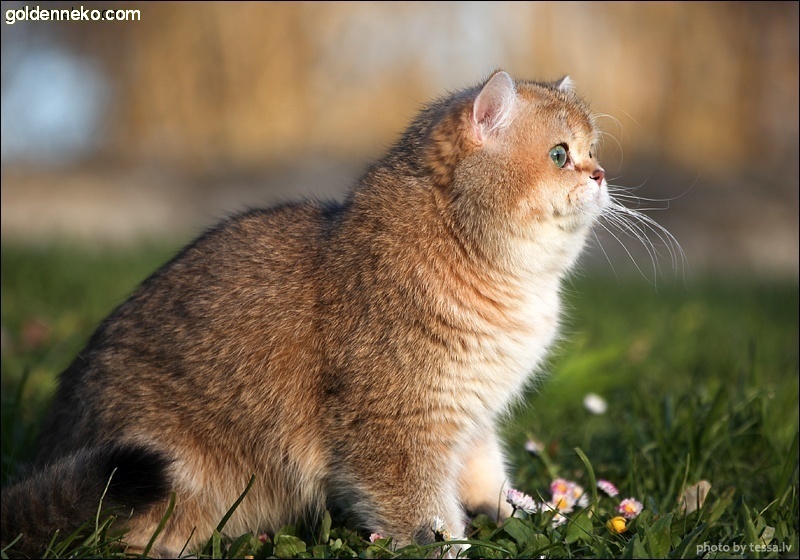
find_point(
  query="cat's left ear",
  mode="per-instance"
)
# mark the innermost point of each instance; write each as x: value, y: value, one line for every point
x: 566, y: 85
x: 493, y: 109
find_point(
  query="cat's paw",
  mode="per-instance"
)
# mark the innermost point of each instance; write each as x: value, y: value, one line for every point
x: 455, y: 550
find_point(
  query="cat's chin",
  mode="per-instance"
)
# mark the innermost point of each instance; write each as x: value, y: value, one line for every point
x: 590, y: 207
x: 579, y: 220
x: 575, y: 225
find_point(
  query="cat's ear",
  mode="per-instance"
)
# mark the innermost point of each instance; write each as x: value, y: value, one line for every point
x: 566, y: 85
x: 493, y: 109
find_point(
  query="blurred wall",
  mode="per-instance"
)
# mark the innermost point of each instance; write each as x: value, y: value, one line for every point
x: 700, y: 97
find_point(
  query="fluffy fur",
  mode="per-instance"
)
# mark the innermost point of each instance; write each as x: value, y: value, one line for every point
x: 354, y: 356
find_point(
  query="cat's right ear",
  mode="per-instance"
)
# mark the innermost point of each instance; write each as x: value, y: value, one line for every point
x: 493, y: 109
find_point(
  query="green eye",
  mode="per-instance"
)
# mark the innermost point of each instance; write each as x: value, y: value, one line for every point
x: 559, y: 155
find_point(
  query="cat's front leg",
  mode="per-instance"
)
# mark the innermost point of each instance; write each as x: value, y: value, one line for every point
x: 411, y: 495
x: 484, y: 480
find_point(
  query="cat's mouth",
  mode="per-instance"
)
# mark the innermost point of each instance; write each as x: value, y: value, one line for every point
x: 589, y: 198
x: 584, y: 204
x: 589, y: 192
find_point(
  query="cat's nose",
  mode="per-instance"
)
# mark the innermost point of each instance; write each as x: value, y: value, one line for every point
x: 598, y: 175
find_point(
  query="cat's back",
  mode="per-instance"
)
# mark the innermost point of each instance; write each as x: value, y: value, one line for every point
x: 220, y: 327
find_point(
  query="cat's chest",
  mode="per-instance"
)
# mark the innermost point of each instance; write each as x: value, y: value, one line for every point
x: 491, y: 365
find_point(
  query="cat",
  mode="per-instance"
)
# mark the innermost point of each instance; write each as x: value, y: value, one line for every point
x: 353, y: 356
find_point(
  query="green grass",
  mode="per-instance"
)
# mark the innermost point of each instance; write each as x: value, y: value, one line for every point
x: 701, y: 380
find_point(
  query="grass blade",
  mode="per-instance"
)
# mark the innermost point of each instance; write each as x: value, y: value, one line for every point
x: 590, y: 471
x: 235, y: 505
x: 161, y: 524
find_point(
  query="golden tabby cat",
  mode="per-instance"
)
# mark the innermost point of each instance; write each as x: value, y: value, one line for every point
x: 354, y: 356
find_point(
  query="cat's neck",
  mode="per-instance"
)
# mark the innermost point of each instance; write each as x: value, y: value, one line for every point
x: 409, y: 227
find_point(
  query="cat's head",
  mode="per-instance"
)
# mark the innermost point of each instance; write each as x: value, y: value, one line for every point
x: 518, y: 156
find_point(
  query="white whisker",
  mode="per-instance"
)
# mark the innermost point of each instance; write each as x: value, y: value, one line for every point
x: 625, y: 215
x: 633, y: 229
x: 624, y: 247
x: 605, y: 254
x: 633, y: 223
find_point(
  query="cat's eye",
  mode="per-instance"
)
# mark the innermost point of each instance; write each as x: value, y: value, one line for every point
x: 559, y: 155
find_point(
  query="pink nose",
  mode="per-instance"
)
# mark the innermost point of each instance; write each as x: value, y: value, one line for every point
x: 598, y: 175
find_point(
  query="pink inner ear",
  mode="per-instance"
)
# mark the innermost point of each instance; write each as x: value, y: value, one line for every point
x: 493, y: 108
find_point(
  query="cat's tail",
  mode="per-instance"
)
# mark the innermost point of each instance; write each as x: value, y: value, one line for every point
x: 120, y: 479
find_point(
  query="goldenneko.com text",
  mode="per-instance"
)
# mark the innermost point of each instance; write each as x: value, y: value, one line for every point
x: 73, y: 14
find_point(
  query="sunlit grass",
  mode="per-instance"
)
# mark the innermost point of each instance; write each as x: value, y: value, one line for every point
x: 701, y: 381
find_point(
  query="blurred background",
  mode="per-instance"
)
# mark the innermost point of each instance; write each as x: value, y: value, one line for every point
x: 121, y: 141
x: 118, y: 132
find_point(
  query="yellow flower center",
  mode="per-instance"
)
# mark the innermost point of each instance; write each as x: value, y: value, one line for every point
x: 617, y: 525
